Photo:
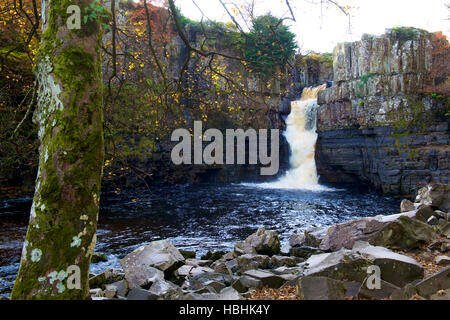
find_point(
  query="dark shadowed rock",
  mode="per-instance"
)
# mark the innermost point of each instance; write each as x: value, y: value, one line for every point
x: 404, y: 233
x: 320, y: 288
x: 252, y: 261
x: 304, y: 252
x: 395, y: 268
x: 268, y: 279
x: 141, y: 294
x: 424, y: 213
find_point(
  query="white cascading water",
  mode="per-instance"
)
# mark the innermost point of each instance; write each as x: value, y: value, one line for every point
x: 302, y: 137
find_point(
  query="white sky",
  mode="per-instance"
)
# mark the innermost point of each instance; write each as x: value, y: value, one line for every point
x: 321, y: 32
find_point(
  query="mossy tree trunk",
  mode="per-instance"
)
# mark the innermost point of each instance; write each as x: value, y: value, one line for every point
x: 63, y: 220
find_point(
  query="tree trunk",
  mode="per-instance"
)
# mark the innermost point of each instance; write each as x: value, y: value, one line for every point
x: 63, y: 221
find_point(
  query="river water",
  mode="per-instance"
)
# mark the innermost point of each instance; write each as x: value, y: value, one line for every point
x: 196, y: 217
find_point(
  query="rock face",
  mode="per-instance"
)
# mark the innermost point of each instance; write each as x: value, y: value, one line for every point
x: 384, y: 119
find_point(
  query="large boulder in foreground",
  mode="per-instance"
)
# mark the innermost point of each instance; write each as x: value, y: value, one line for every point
x: 262, y: 242
x: 160, y: 255
x: 404, y: 233
x: 320, y: 288
x: 395, y: 268
x: 435, y: 195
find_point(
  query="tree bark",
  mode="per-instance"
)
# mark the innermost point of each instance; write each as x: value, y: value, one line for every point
x: 63, y: 220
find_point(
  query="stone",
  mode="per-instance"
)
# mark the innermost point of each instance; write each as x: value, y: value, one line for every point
x: 433, y: 221
x: 385, y: 291
x: 226, y: 294
x: 121, y: 287
x: 343, y: 265
x: 442, y: 260
x: 441, y: 295
x: 441, y: 215
x: 140, y: 276
x: 188, y: 254
x: 268, y: 279
x: 435, y: 195
x: 110, y: 292
x: 303, y: 251
x: 314, y: 237
x: 158, y: 254
x: 444, y: 229
x: 99, y: 257
x: 395, y: 268
x: 140, y: 294
x: 198, y: 263
x: 424, y: 213
x: 244, y: 283
x: 222, y: 267
x: 296, y: 240
x: 282, y: 261
x: 320, y: 288
x: 252, y: 261
x: 263, y: 242
x: 186, y: 270
x: 165, y: 290
x: 97, y: 292
x: 213, y: 256
x: 216, y: 286
x: 200, y: 281
x: 344, y: 235
x: 434, y: 283
x: 108, y: 277
x: 404, y: 233
x: 406, y: 206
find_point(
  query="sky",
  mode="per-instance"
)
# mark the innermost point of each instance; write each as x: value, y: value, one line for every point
x: 320, y: 28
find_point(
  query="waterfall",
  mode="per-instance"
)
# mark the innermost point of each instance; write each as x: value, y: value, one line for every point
x: 302, y: 137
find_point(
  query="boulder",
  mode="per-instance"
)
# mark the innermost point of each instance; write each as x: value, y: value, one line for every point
x: 404, y: 233
x: 268, y: 279
x: 99, y: 257
x: 188, y: 254
x: 244, y: 283
x: 186, y: 271
x: 201, y: 281
x: 320, y: 288
x: 433, y: 221
x: 442, y: 215
x: 444, y: 229
x: 296, y: 240
x: 141, y: 276
x: 225, y: 294
x: 158, y: 254
x: 252, y: 261
x: 441, y: 295
x: 343, y: 265
x: 442, y: 260
x: 226, y: 267
x: 406, y: 206
x: 424, y: 213
x: 108, y: 277
x: 314, y: 237
x: 435, y: 195
x: 213, y: 255
x: 425, y: 288
x: 282, y: 261
x: 165, y: 290
x: 303, y: 251
x: 262, y: 242
x: 385, y: 291
x: 141, y: 294
x: 121, y: 287
x: 344, y: 235
x: 395, y: 268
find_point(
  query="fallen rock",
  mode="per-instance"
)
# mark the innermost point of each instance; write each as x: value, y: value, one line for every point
x: 99, y: 257
x: 296, y: 240
x: 424, y: 213
x: 121, y: 288
x: 213, y: 255
x: 158, y: 254
x: 283, y: 261
x: 252, y: 261
x: 441, y: 295
x: 442, y: 215
x: 404, y: 233
x: 225, y: 294
x: 384, y: 292
x: 435, y: 195
x: 268, y: 279
x: 303, y: 251
x: 406, y: 206
x: 320, y: 288
x: 263, y: 242
x: 343, y: 265
x: 442, y: 260
x: 188, y: 254
x: 314, y: 237
x: 141, y: 294
x: 433, y: 221
x: 165, y: 290
x: 444, y: 229
x: 201, y: 281
x: 140, y: 276
x: 244, y: 283
x: 187, y: 270
x: 395, y: 268
x: 108, y: 277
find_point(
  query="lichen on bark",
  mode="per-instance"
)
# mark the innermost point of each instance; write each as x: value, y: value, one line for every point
x: 64, y: 214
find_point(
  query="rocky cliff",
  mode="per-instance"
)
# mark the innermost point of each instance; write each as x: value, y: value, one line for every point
x: 385, y: 119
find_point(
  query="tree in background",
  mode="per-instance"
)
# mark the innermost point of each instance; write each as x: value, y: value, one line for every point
x: 63, y: 219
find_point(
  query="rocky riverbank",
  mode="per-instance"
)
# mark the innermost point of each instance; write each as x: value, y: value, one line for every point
x: 411, y: 250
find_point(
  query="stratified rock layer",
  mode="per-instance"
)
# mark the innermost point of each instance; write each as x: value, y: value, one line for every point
x: 385, y: 120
